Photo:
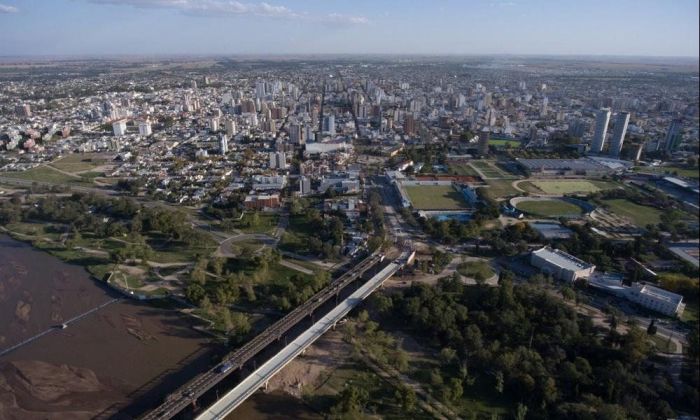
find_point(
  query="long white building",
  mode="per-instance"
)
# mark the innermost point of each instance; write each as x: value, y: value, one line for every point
x: 560, y: 265
x: 656, y: 299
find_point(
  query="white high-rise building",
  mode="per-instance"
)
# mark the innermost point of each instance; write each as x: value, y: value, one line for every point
x: 544, y: 109
x: 214, y: 124
x: 260, y: 89
x: 601, y: 127
x: 119, y: 127
x: 230, y: 128
x: 304, y: 185
x: 278, y: 160
x: 223, y: 144
x: 145, y: 128
x: 623, y: 118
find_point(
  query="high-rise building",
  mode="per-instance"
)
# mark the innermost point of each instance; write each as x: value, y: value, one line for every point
x: 278, y: 160
x: 214, y: 124
x: 295, y: 134
x: 24, y: 110
x: 484, y: 142
x: 223, y: 144
x: 623, y: 118
x: 281, y: 160
x: 230, y: 128
x: 673, y: 136
x: 329, y: 124
x: 601, y: 127
x: 194, y: 84
x: 304, y: 185
x: 638, y: 153
x: 409, y: 125
x: 260, y: 89
x: 145, y: 128
x: 119, y: 127
x: 578, y: 128
x: 544, y: 108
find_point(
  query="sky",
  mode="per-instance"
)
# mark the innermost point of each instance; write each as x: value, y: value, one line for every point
x: 207, y: 27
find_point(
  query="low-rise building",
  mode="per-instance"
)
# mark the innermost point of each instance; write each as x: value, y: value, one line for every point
x: 261, y: 201
x: 656, y: 299
x: 560, y: 265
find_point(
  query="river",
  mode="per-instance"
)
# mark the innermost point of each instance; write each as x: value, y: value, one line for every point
x: 116, y: 361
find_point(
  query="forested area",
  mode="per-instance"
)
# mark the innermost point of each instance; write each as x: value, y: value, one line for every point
x: 518, y: 342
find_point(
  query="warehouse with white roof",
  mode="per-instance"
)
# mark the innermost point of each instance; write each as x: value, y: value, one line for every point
x: 560, y: 265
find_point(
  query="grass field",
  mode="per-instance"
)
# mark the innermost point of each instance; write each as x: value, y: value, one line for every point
x: 498, y: 188
x: 504, y: 143
x: 462, y: 169
x: 565, y: 186
x: 257, y: 222
x: 79, y: 162
x: 490, y: 170
x: 479, y: 270
x: 49, y: 175
x: 639, y: 215
x: 427, y: 197
x: 549, y: 208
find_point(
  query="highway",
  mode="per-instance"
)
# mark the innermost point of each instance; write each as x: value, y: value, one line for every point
x: 189, y: 393
x: 263, y: 374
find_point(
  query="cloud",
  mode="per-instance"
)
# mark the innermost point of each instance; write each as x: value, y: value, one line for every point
x: 234, y: 8
x: 8, y: 9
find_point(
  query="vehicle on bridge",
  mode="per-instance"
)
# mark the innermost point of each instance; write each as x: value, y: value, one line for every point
x: 225, y: 367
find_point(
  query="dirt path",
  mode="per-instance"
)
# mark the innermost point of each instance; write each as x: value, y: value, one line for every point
x: 296, y: 267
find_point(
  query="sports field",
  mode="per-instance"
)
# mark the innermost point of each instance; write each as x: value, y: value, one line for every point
x: 504, y: 143
x: 490, y: 169
x: 549, y: 208
x: 554, y: 187
x: 639, y: 215
x: 434, y: 197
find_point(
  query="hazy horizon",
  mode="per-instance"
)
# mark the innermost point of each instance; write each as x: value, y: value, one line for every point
x: 78, y: 28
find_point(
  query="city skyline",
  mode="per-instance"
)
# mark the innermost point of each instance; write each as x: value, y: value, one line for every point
x: 446, y: 27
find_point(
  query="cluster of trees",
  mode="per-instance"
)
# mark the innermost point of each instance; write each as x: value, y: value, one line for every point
x: 518, y: 341
x: 218, y: 283
x: 103, y: 217
x: 512, y: 239
x: 323, y: 231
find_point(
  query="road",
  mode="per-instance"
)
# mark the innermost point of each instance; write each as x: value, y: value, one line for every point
x: 257, y: 379
x: 191, y: 391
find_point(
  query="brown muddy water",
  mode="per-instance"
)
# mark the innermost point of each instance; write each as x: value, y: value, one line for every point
x: 116, y: 361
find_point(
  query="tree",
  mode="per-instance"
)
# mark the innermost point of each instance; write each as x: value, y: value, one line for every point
x: 406, y: 397
x: 195, y: 292
x: 568, y: 293
x: 499, y: 382
x: 351, y: 400
x: 521, y: 412
x: 651, y: 329
x: 447, y: 355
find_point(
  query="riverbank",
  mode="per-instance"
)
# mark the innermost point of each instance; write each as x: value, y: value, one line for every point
x: 119, y: 358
